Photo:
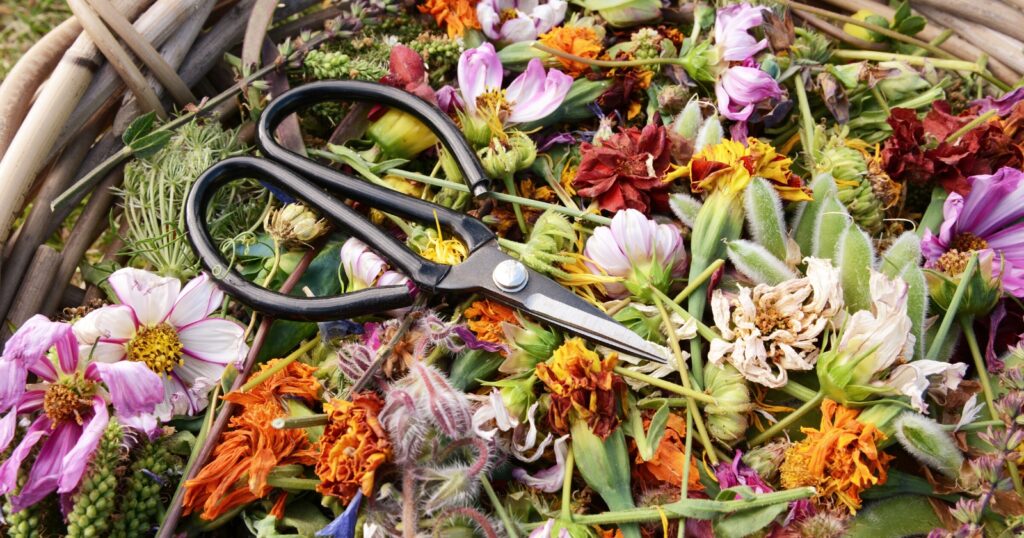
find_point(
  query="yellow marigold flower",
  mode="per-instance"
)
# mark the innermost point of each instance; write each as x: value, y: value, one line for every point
x: 487, y: 318
x: 353, y: 446
x: 581, y: 384
x: 730, y: 166
x: 580, y: 41
x: 455, y: 15
x: 840, y: 459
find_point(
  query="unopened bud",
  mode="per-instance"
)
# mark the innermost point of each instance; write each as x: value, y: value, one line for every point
x: 295, y: 224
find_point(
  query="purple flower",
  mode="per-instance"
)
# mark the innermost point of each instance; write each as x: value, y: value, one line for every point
x: 641, y: 251
x: 344, y: 526
x: 737, y: 473
x: 365, y: 269
x: 448, y: 100
x: 72, y: 396
x: 741, y: 88
x: 533, y: 95
x: 512, y: 21
x: 987, y: 220
x: 732, y: 36
x: 1003, y: 105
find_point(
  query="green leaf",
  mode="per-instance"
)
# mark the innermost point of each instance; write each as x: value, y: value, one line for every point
x: 149, y: 144
x: 902, y: 12
x: 684, y: 206
x: 604, y: 466
x: 832, y: 222
x: 904, y: 251
x: 473, y: 366
x: 140, y: 127
x: 911, y: 25
x: 763, y: 207
x: 855, y: 256
x: 917, y: 304
x: 656, y: 431
x: 896, y: 517
x: 933, y: 215
x: 756, y: 262
x: 747, y: 522
x: 806, y: 217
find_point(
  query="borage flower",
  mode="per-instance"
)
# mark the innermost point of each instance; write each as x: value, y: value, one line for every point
x: 251, y: 448
x: 512, y: 21
x: 769, y: 330
x: 840, y: 459
x: 72, y: 395
x: 987, y: 220
x: 455, y: 15
x: 626, y: 170
x: 169, y: 329
x: 639, y: 250
x: 352, y: 447
x: 582, y: 387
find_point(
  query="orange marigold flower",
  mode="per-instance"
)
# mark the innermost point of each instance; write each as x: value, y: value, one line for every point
x: 582, y: 384
x: 577, y: 40
x: 485, y: 319
x: 251, y: 448
x: 353, y: 446
x: 840, y: 459
x: 666, y: 467
x: 455, y: 15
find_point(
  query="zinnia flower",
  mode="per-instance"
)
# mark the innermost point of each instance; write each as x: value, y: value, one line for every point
x: 666, y: 467
x: 732, y: 36
x: 840, y: 459
x: 169, y: 329
x: 987, y: 219
x: 637, y: 249
x: 533, y: 95
x: 365, y: 269
x: 582, y: 387
x: 352, y: 447
x: 72, y: 396
x: 511, y: 21
x: 455, y: 15
x: 769, y: 330
x: 576, y: 39
x: 627, y: 170
x: 251, y: 448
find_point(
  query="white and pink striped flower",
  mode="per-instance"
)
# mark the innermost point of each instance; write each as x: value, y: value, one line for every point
x: 641, y: 251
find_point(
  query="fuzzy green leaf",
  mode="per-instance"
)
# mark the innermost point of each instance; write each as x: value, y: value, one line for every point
x: 925, y: 439
x: 604, y: 465
x: 917, y: 304
x: 685, y: 207
x: 748, y: 522
x: 473, y: 366
x: 806, y: 217
x: 754, y: 261
x: 905, y: 251
x: 833, y: 220
x: 855, y: 257
x: 763, y: 208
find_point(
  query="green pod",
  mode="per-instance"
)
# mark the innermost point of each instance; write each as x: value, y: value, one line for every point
x: 765, y: 221
x: 927, y: 441
x: 903, y: 252
x: 917, y: 304
x: 855, y: 257
x: 95, y: 500
x: 754, y: 261
x: 604, y: 466
x: 832, y: 221
x: 516, y: 55
x: 727, y: 419
x: 806, y: 218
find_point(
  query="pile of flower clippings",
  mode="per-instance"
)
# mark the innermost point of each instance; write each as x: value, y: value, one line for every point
x: 819, y: 215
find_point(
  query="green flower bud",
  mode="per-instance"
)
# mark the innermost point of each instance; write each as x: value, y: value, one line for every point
x: 477, y: 130
x: 710, y: 133
x: 767, y: 459
x: 517, y: 394
x: 400, y: 134
x: 472, y: 366
x: 727, y: 419
x: 925, y: 439
x: 983, y: 289
x: 94, y: 501
x: 499, y: 160
x: 623, y: 13
x: 524, y: 148
x: 530, y: 343
x: 688, y: 122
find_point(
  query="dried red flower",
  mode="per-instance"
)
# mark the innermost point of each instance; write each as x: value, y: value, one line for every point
x: 626, y: 170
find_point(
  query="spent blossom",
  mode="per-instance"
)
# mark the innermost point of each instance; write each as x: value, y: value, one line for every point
x: 732, y: 32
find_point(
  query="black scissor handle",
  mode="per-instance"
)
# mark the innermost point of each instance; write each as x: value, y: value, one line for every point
x: 358, y: 303
x: 472, y: 232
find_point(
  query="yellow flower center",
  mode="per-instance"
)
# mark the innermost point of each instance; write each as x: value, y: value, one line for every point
x: 968, y: 242
x: 158, y: 346
x: 508, y: 15
x: 494, y: 108
x: 954, y: 261
x: 68, y: 399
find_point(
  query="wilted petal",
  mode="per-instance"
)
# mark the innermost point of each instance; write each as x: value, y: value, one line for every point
x: 534, y: 95
x: 479, y: 70
x: 740, y: 88
x: 548, y: 480
x: 913, y: 379
x: 9, y: 470
x: 77, y: 458
x: 133, y: 387
x: 198, y: 300
x: 732, y: 25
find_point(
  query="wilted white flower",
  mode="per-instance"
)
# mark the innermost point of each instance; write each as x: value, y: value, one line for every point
x: 769, y: 330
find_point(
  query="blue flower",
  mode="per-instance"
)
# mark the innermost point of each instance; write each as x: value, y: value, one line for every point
x: 344, y: 526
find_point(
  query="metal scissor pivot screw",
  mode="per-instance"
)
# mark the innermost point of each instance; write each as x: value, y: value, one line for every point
x: 510, y: 276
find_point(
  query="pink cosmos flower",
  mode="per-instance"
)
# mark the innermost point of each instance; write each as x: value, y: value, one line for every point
x: 732, y: 36
x: 639, y: 250
x: 987, y: 220
x: 365, y: 269
x: 511, y: 21
x: 168, y: 329
x: 69, y: 399
x: 533, y: 95
x: 740, y: 88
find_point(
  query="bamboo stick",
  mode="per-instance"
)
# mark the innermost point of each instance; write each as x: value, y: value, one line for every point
x: 990, y: 13
x: 997, y: 45
x: 255, y: 30
x: 28, y: 74
x: 44, y: 265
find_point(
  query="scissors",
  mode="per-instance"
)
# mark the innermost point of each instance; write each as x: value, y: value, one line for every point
x: 486, y: 270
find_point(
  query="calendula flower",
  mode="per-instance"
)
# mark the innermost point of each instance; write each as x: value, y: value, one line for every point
x: 639, y: 250
x: 576, y: 39
x: 769, y: 330
x: 729, y: 166
x: 352, y: 447
x: 487, y: 320
x: 512, y: 21
x: 170, y: 330
x: 456, y: 16
x: 627, y: 170
x: 72, y: 395
x: 666, y: 467
x: 986, y: 220
x: 840, y: 459
x: 582, y: 387
x: 365, y: 269
x: 250, y: 448
x: 732, y: 32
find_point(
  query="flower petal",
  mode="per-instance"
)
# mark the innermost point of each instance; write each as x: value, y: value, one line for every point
x: 75, y: 460
x: 9, y: 470
x: 548, y: 480
x: 150, y: 296
x: 113, y: 322
x: 42, y: 478
x: 197, y: 301
x: 534, y: 94
x: 133, y: 387
x: 479, y: 70
x: 214, y: 340
x: 27, y: 347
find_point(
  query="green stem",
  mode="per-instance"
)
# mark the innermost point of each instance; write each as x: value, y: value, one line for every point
x: 942, y: 37
x: 706, y: 332
x: 666, y: 385
x: 970, y: 125
x: 966, y: 323
x: 570, y: 462
x: 287, y: 482
x: 506, y: 521
x: 788, y: 420
x: 954, y: 305
x: 607, y: 63
x: 974, y: 426
x: 880, y: 99
x: 952, y: 65
x: 698, y: 281
x: 291, y: 423
x: 510, y: 186
x: 806, y: 119
x: 687, y: 454
x: 654, y: 403
x: 798, y: 391
x: 681, y: 507
x: 279, y: 365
